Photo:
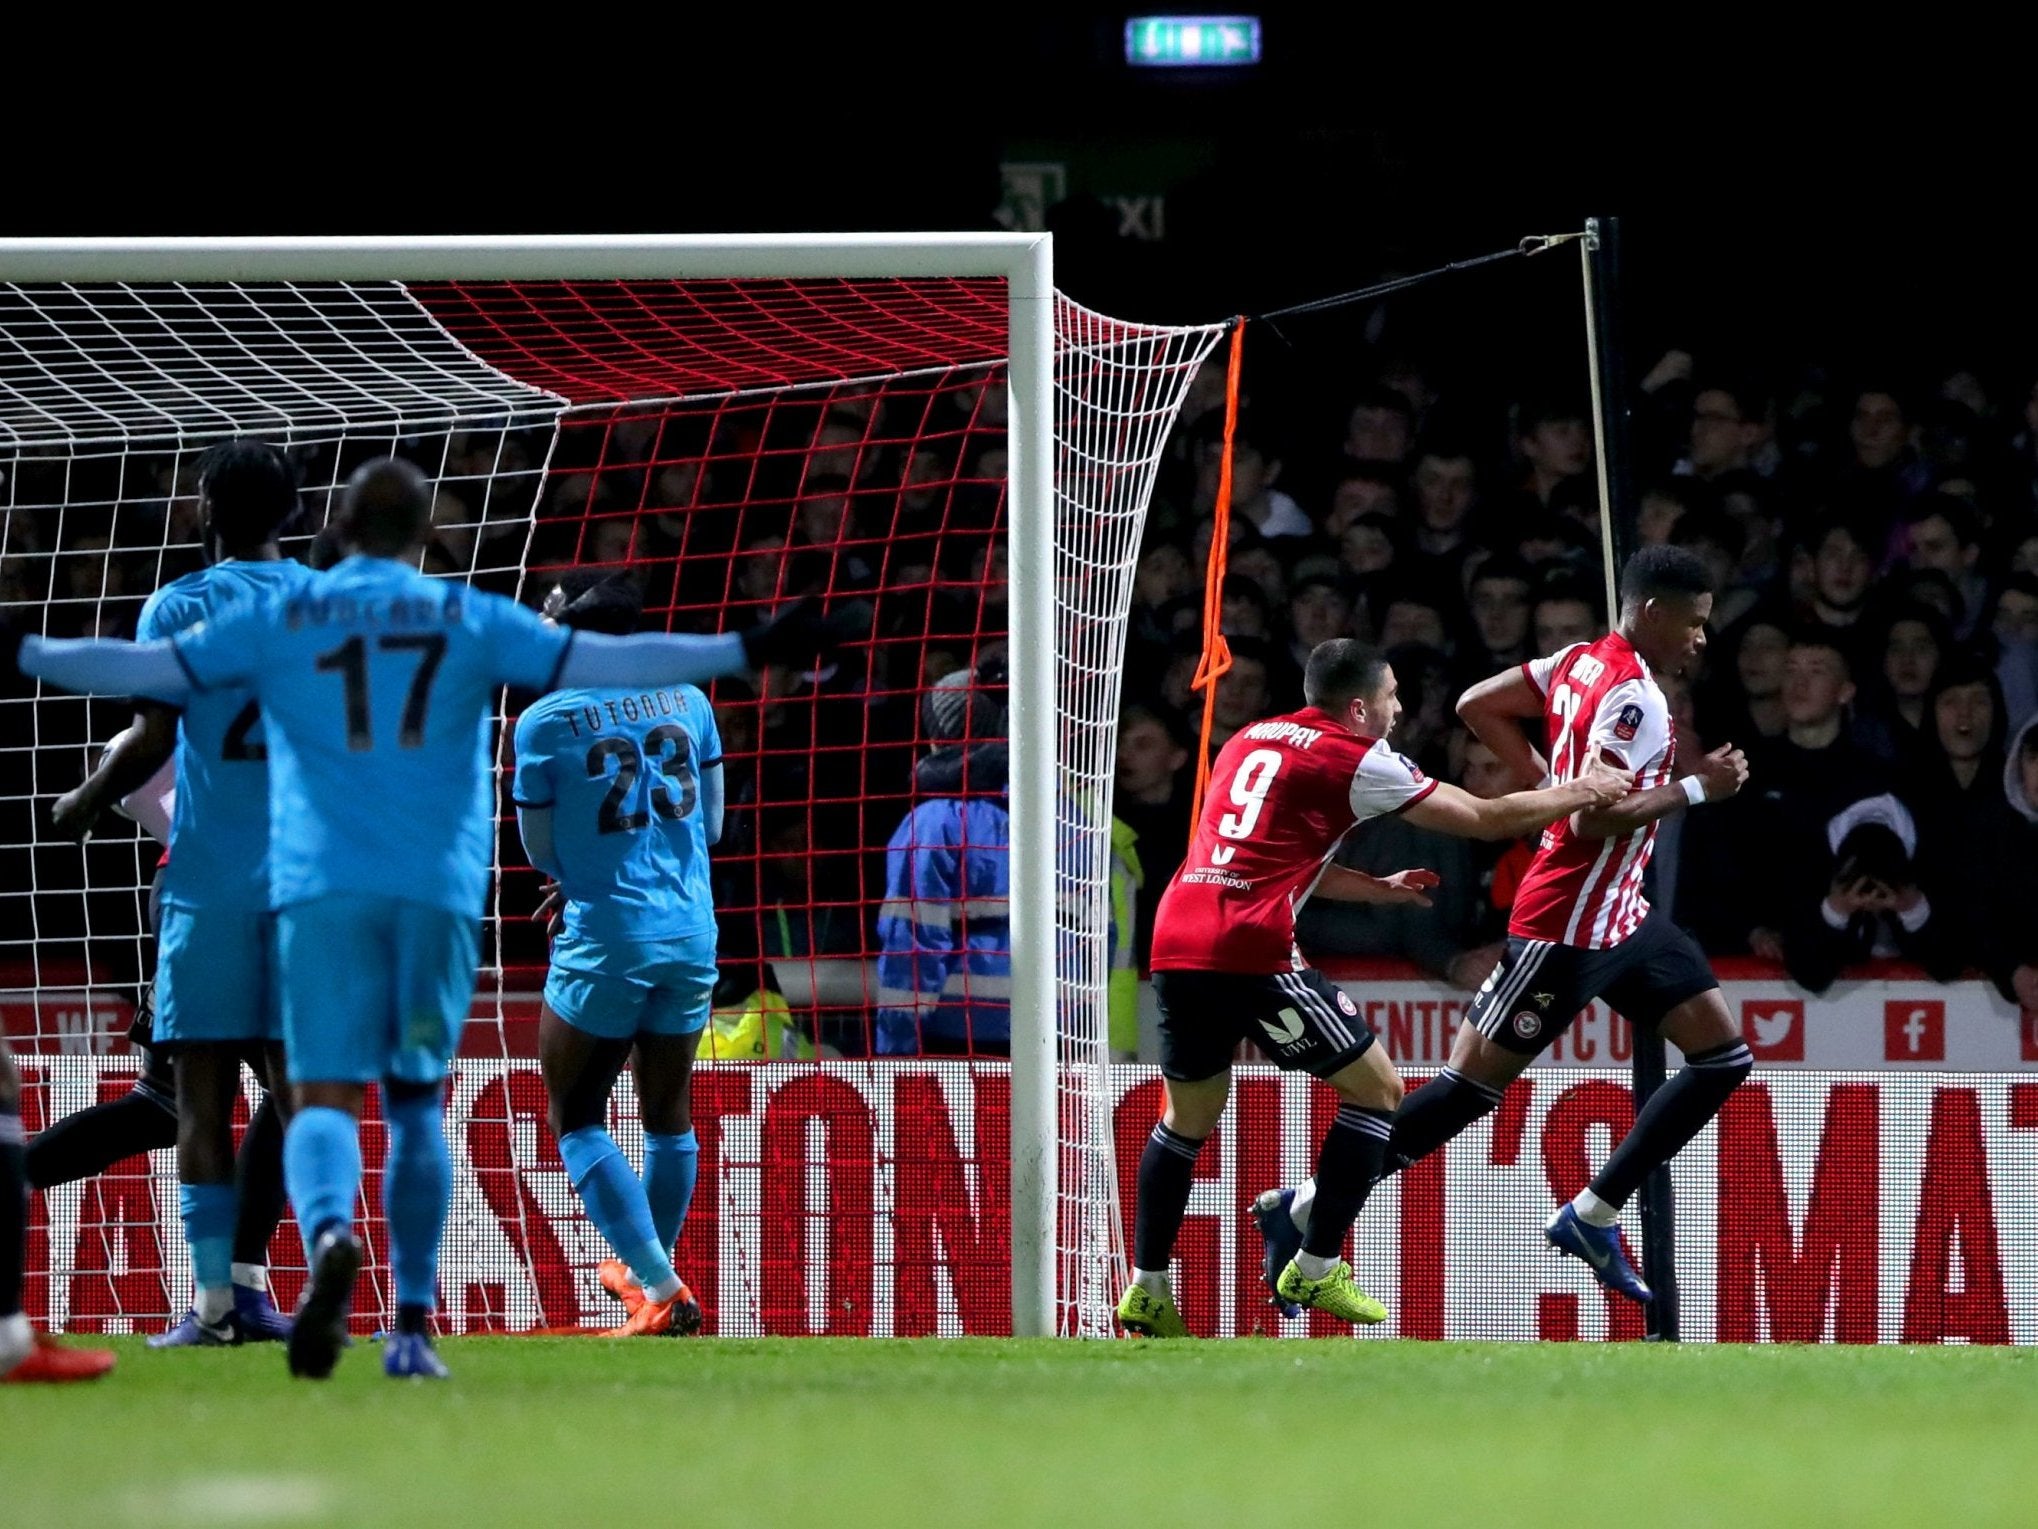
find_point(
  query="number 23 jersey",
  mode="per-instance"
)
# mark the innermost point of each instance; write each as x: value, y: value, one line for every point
x: 620, y: 770
x: 1282, y: 794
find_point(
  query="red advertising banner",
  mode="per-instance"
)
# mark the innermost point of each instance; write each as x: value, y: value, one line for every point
x: 872, y: 1198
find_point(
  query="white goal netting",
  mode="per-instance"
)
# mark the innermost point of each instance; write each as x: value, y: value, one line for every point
x: 735, y: 442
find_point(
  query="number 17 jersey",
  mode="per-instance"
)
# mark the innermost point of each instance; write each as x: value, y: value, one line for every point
x: 1282, y: 794
x: 620, y: 770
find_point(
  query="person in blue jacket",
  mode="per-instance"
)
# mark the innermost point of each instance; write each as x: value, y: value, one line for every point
x: 945, y: 930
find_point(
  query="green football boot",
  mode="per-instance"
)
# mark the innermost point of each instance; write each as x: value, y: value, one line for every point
x: 1149, y: 1315
x: 1334, y: 1293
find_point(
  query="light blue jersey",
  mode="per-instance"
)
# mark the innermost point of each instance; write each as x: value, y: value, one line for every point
x: 220, y: 828
x: 377, y: 686
x: 621, y: 770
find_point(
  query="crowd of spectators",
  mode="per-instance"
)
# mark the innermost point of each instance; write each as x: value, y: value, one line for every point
x: 1874, y: 646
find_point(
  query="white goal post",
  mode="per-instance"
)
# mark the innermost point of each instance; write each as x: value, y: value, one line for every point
x: 1040, y: 922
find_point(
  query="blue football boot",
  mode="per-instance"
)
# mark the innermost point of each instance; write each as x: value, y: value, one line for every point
x: 194, y: 1332
x: 1599, y: 1246
x: 410, y: 1356
x: 259, y: 1320
x: 1283, y: 1240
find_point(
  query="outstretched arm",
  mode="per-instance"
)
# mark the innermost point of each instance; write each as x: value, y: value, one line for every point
x: 1495, y: 709
x: 1448, y: 810
x: 797, y: 634
x: 650, y: 658
x: 130, y: 762
x: 1342, y: 884
x: 95, y: 666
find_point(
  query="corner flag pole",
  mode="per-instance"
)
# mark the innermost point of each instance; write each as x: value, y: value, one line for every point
x: 1599, y: 259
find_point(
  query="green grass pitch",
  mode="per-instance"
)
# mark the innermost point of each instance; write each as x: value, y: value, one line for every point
x: 583, y: 1434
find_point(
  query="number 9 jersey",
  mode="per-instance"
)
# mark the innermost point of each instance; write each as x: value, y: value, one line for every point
x: 620, y: 770
x: 1283, y: 793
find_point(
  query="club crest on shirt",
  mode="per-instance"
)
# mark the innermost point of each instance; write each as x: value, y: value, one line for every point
x: 1628, y: 723
x: 1344, y: 1001
x: 1528, y: 1024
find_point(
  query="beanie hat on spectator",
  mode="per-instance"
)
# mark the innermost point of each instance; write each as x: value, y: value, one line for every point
x: 967, y: 706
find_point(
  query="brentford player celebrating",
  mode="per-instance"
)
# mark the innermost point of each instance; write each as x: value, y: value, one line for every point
x: 1282, y: 795
x: 1581, y: 929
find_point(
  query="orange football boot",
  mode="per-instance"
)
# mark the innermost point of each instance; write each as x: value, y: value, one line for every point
x: 50, y: 1361
x: 680, y: 1317
x: 619, y: 1282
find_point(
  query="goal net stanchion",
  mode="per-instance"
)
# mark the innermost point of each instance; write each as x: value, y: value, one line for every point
x: 494, y: 364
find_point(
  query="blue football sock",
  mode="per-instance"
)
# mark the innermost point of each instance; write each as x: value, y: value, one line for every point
x: 417, y: 1192
x: 322, y: 1168
x: 614, y: 1197
x: 209, y: 1211
x: 670, y: 1163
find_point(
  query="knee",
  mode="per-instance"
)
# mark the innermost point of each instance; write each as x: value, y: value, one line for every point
x: 566, y: 1116
x: 1373, y: 1092
x: 1194, y: 1116
x: 668, y: 1117
x: 345, y: 1097
x: 410, y: 1102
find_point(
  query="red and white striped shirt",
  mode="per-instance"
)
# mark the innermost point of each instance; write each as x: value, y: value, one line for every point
x: 1599, y: 702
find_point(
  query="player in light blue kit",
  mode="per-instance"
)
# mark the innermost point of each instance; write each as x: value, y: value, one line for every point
x: 377, y: 686
x: 619, y: 795
x: 216, y: 998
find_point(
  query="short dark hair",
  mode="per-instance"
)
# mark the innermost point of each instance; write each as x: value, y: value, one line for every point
x: 1548, y: 409
x: 1817, y: 635
x: 1340, y: 670
x: 1379, y: 396
x: 1849, y: 527
x: 1958, y: 514
x: 386, y: 507
x: 1250, y: 431
x: 590, y: 600
x: 1889, y: 388
x: 1715, y: 526
x: 1166, y: 718
x: 1750, y: 401
x: 1502, y: 566
x: 1657, y: 571
x: 1376, y: 473
x: 1560, y: 590
x: 249, y: 489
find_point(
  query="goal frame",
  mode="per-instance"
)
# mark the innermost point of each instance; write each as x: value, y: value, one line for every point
x: 1026, y: 262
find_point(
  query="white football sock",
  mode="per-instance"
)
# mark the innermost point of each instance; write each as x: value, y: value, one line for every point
x: 1314, y: 1266
x: 17, y: 1340
x: 212, y: 1306
x: 665, y: 1289
x: 252, y: 1276
x: 1298, y: 1208
x: 1594, y: 1211
x: 1153, y: 1281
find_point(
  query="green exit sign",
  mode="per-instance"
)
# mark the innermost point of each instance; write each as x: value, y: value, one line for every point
x: 1194, y: 42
